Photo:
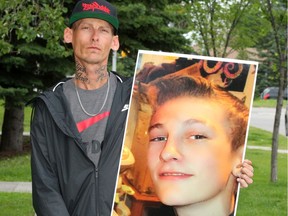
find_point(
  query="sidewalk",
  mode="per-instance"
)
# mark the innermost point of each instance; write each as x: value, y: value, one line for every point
x: 26, y: 187
x: 21, y: 187
x: 281, y: 151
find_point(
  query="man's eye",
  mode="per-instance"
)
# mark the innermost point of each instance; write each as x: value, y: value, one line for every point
x: 106, y: 30
x: 158, y: 139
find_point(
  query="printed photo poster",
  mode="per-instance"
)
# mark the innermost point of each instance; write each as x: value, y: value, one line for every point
x: 186, y: 134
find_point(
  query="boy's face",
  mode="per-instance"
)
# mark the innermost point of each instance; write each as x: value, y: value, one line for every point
x: 92, y: 39
x: 190, y: 155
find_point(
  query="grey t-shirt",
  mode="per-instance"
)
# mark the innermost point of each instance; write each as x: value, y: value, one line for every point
x: 91, y: 128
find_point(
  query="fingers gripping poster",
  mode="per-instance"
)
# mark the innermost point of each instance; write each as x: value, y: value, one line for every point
x: 186, y: 135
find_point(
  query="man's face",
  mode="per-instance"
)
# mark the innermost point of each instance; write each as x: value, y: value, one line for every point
x: 92, y: 39
x: 189, y: 156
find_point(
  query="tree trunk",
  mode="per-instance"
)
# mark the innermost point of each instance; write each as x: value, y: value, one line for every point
x: 12, y: 129
x: 274, y: 152
x: 283, y: 75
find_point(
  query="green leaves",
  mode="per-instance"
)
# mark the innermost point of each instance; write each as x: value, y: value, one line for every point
x: 31, y: 47
x: 25, y: 21
x: 151, y: 25
x: 217, y: 25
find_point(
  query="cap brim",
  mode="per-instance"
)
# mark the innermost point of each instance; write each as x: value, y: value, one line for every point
x: 82, y: 15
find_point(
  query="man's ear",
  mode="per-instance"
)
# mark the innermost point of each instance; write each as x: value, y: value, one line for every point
x: 115, y: 43
x: 68, y: 35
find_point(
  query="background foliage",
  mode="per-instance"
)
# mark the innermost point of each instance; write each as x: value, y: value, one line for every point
x: 34, y: 57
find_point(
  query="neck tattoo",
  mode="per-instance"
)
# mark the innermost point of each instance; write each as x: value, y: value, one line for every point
x: 102, y: 74
x: 101, y: 69
x: 81, y: 74
x: 80, y: 68
x: 105, y: 100
x: 81, y: 77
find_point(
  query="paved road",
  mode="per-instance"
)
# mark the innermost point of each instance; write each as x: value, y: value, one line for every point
x: 264, y: 118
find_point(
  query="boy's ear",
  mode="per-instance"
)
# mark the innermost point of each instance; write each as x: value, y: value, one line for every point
x: 68, y: 35
x: 143, y: 92
x: 237, y: 163
x: 239, y: 152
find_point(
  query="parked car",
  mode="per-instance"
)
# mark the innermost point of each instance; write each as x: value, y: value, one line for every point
x: 272, y: 93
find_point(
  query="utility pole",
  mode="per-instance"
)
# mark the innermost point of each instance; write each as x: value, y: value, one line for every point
x: 114, y: 61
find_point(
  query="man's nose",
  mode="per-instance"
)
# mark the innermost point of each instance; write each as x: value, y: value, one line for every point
x: 95, y: 34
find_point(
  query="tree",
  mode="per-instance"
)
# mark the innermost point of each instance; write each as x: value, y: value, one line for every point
x: 150, y: 25
x: 276, y: 14
x: 220, y: 27
x: 31, y: 59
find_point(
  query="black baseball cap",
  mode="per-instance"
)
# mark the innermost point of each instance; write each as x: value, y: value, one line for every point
x: 99, y: 9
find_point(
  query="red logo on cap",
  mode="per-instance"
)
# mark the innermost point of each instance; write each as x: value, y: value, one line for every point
x: 96, y: 6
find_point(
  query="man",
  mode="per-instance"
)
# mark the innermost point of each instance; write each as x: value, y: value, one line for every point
x: 77, y: 126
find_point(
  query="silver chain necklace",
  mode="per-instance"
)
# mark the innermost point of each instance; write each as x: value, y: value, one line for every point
x: 81, y: 105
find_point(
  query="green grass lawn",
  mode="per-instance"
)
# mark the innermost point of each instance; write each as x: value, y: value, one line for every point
x: 16, y: 204
x: 259, y: 137
x: 27, y: 117
x: 263, y: 197
x: 267, y: 103
x: 15, y: 168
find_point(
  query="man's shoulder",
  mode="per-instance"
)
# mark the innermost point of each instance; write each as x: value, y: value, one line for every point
x: 57, y: 86
x: 121, y: 78
x: 53, y: 94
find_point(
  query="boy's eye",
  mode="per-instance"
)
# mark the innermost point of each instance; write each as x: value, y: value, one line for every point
x: 198, y: 136
x: 158, y: 139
